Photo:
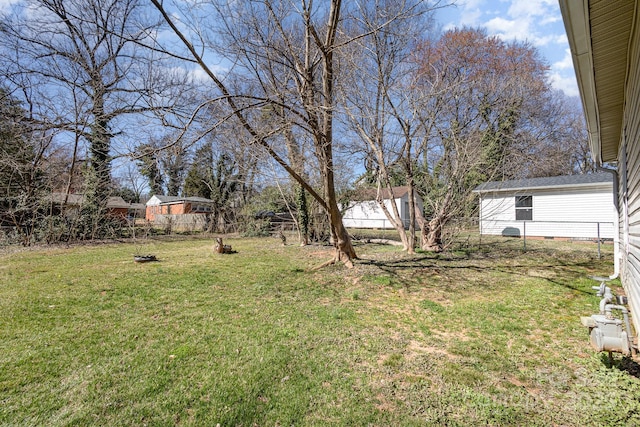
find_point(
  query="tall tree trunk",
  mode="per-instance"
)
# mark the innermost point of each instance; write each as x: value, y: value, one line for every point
x: 297, y: 163
x: 394, y: 217
x: 432, y: 235
x: 303, y: 215
x: 100, y: 144
x: 313, y: 68
x: 344, y: 251
x: 411, y: 241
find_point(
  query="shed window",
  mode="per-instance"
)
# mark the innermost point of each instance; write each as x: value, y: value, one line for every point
x: 524, y: 208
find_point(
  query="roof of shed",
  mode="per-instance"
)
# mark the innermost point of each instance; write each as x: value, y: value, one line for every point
x: 363, y: 194
x: 567, y: 181
x: 69, y: 199
x: 117, y: 202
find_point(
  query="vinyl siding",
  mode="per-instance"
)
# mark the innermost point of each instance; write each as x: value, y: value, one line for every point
x: 630, y: 200
x: 368, y: 214
x: 561, y: 213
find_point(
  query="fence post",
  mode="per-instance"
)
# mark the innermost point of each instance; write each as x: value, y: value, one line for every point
x: 524, y: 235
x: 599, y: 254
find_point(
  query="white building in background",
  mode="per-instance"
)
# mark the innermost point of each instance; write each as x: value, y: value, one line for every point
x: 572, y: 207
x: 366, y: 213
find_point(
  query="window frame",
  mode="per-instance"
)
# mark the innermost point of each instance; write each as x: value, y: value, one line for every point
x: 524, y: 208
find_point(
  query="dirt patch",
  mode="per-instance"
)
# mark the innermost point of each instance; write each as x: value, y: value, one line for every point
x: 415, y: 349
x: 533, y: 391
x: 383, y: 404
x: 325, y: 254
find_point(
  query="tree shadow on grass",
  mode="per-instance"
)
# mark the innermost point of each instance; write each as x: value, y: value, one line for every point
x: 442, y: 263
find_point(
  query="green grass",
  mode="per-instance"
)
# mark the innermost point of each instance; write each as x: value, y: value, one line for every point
x: 475, y: 336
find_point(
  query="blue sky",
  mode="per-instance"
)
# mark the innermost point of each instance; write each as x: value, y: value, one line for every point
x: 537, y: 21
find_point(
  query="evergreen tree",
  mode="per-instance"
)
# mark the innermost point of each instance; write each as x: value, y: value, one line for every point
x: 173, y: 164
x: 213, y: 178
x: 148, y: 165
x: 224, y: 186
x: 199, y: 180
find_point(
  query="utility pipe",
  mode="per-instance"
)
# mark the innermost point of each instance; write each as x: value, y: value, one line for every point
x: 625, y: 315
x: 606, y: 300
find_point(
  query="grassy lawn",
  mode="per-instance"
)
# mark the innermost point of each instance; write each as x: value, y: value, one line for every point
x: 485, y: 335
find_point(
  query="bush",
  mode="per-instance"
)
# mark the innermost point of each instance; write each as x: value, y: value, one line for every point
x: 255, y: 228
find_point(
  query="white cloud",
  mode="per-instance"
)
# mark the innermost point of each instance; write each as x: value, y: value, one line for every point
x: 470, y: 12
x: 562, y: 75
x: 198, y: 75
x: 532, y: 8
x: 566, y: 63
x: 508, y: 29
x: 564, y: 82
x: 533, y: 20
x: 537, y: 21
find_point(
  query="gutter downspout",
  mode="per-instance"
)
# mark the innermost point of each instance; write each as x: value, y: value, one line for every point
x: 616, y: 222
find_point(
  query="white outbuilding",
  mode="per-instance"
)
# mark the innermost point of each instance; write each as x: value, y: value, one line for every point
x: 367, y: 213
x: 571, y: 207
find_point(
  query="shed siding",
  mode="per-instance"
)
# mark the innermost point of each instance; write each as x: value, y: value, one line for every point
x: 368, y: 214
x: 579, y: 205
x: 569, y: 213
x: 630, y: 153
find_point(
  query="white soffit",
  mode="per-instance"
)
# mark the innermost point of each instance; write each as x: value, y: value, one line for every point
x: 599, y: 33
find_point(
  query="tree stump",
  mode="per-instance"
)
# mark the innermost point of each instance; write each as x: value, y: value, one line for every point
x: 221, y: 248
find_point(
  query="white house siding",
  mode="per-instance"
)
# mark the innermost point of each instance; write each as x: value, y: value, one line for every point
x: 562, y: 213
x: 629, y: 171
x: 497, y: 215
x: 368, y: 214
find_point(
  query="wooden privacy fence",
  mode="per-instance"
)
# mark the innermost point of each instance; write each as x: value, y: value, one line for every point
x: 183, y: 222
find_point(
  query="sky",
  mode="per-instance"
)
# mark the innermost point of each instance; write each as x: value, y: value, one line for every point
x: 538, y: 22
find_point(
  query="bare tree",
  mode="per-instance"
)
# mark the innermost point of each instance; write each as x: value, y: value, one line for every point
x: 283, y: 60
x: 148, y: 163
x: 78, y: 66
x: 560, y: 145
x: 479, y: 119
x: 130, y: 179
x: 381, y: 101
x: 288, y: 53
x: 576, y: 138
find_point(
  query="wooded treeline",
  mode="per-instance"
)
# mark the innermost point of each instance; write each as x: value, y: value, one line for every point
x: 260, y: 105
